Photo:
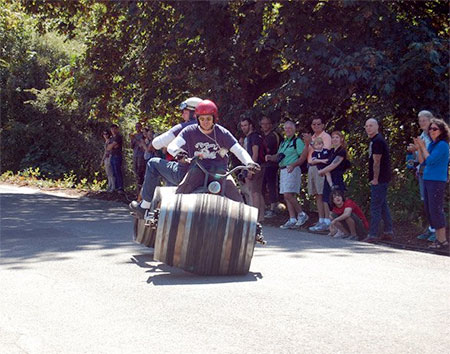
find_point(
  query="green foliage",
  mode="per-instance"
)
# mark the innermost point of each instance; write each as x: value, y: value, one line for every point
x: 123, y: 61
x: 33, y: 177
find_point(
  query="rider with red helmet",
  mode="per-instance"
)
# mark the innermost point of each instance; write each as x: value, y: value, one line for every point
x: 211, y: 143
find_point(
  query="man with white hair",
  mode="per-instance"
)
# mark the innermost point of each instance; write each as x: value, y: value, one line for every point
x: 379, y: 177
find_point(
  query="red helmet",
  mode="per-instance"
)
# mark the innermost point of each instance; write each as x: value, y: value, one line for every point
x: 207, y: 107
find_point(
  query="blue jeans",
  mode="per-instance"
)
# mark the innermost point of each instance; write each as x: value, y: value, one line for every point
x: 158, y: 168
x: 379, y: 209
x: 434, y: 193
x: 116, y: 165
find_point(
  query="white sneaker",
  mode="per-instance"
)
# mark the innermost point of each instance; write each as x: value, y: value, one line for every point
x: 320, y: 226
x: 288, y: 225
x: 339, y: 234
x: 315, y: 226
x: 301, y: 219
x: 269, y: 214
x: 323, y: 227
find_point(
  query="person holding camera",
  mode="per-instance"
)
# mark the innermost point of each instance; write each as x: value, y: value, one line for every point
x: 424, y: 119
x: 139, y: 163
x: 291, y: 154
x: 435, y: 158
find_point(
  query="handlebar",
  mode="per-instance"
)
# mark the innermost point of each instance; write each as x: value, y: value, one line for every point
x: 216, y: 175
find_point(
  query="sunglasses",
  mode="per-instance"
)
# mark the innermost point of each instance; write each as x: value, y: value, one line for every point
x: 202, y: 119
x: 433, y: 129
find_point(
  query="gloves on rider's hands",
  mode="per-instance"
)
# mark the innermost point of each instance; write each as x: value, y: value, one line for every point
x: 253, y: 167
x: 182, y: 156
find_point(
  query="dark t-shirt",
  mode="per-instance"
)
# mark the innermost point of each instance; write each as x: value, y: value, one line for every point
x: 321, y: 155
x: 378, y: 146
x: 340, y: 169
x: 175, y: 130
x: 271, y: 143
x: 213, y: 148
x: 254, y: 139
x: 117, y: 150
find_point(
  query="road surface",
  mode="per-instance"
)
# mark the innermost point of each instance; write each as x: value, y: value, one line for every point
x: 72, y: 281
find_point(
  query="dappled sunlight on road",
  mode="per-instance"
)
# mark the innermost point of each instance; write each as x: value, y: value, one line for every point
x: 295, y: 241
x: 43, y: 228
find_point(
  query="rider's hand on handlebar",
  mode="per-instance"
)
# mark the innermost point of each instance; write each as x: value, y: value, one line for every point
x: 182, y: 157
x: 253, y: 167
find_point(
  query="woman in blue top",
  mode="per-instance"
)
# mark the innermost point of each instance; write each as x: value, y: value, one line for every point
x: 435, y: 175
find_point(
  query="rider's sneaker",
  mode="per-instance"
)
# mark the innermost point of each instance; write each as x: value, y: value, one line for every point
x: 136, y: 208
x: 289, y: 224
x: 301, y: 219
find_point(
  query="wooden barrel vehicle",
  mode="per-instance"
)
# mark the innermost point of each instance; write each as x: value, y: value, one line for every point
x: 206, y: 234
x: 145, y: 234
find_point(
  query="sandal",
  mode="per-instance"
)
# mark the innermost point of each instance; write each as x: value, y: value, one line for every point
x: 438, y: 245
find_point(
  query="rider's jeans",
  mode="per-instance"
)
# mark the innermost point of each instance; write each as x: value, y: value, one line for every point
x: 379, y: 209
x: 170, y: 171
x: 196, y: 178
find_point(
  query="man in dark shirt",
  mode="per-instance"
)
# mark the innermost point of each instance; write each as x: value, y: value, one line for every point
x: 253, y: 143
x: 379, y: 177
x: 116, y: 156
x: 138, y: 155
x: 271, y: 142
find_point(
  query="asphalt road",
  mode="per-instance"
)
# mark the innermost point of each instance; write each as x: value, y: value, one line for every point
x: 72, y: 281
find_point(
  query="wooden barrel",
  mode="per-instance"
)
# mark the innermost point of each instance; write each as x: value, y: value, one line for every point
x: 206, y: 234
x: 143, y: 234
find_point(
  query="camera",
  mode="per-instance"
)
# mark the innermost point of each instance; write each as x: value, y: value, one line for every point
x: 280, y: 157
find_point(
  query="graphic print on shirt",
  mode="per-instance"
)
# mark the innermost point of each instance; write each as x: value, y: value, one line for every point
x: 206, y: 150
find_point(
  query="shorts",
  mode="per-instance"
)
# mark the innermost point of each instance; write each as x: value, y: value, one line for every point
x: 290, y: 182
x: 361, y: 231
x: 315, y: 182
x: 255, y: 184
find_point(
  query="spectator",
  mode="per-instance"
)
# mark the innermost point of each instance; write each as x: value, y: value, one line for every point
x: 253, y: 143
x: 316, y: 182
x: 271, y: 143
x: 435, y: 176
x: 379, y: 177
x: 137, y: 139
x: 424, y: 118
x: 338, y: 163
x: 116, y: 156
x: 149, y: 151
x: 319, y: 158
x: 106, y: 161
x: 291, y: 154
x: 347, y: 218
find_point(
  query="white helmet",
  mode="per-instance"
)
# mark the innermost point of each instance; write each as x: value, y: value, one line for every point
x: 190, y: 104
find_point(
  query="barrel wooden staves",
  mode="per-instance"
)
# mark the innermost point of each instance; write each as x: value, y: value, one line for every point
x: 143, y: 234
x: 206, y: 234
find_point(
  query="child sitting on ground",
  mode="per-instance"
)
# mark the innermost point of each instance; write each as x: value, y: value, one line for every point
x: 320, y: 158
x: 348, y: 220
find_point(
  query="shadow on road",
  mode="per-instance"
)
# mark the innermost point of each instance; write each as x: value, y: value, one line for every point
x: 40, y: 227
x: 162, y: 274
x: 296, y: 241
